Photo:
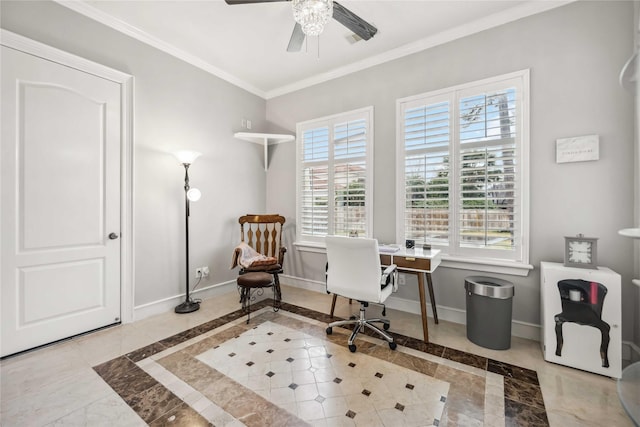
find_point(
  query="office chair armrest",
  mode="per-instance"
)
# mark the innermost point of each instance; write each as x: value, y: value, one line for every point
x: 390, y: 272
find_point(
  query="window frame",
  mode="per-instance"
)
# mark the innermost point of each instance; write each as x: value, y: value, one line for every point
x: 316, y: 243
x: 455, y: 255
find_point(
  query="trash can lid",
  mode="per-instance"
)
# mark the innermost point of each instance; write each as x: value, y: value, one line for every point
x: 491, y: 287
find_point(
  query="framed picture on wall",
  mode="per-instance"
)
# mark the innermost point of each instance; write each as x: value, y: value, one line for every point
x: 578, y: 149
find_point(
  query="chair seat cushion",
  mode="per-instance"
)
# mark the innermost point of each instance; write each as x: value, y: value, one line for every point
x: 255, y: 280
x: 272, y: 268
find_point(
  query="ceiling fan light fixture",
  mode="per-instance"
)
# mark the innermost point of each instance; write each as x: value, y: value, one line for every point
x: 312, y: 15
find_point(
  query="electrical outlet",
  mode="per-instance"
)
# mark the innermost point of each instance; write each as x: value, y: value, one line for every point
x: 198, y: 272
x: 243, y: 123
x: 205, y: 271
x: 401, y: 279
x: 248, y: 124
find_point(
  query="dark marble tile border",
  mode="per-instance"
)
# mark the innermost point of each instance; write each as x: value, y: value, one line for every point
x: 153, y: 402
x: 235, y: 399
x: 511, y: 371
x: 518, y: 414
x: 524, y: 405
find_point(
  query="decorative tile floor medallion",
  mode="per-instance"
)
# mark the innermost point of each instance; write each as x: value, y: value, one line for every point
x: 282, y: 369
x: 301, y: 370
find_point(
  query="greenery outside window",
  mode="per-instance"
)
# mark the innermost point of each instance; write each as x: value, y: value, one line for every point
x: 462, y: 169
x: 334, y: 176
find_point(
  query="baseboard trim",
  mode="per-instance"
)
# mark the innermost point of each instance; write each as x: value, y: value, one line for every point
x: 167, y: 304
x: 455, y: 315
x: 630, y: 352
x: 297, y: 282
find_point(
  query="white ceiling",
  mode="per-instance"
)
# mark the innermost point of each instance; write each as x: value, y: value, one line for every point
x: 246, y: 44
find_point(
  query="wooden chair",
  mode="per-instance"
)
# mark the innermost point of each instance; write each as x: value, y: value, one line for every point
x: 264, y: 234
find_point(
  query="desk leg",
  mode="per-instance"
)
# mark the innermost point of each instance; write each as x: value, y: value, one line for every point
x: 333, y: 304
x: 423, y: 306
x: 432, y: 297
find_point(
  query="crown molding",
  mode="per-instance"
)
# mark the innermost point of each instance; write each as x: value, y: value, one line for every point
x: 492, y: 21
x: 110, y: 21
x: 509, y: 15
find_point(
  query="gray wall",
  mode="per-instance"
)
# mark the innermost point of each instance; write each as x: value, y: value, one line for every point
x: 177, y: 106
x: 575, y: 54
x: 636, y: 38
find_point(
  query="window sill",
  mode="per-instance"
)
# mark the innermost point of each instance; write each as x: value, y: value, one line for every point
x: 512, y: 268
x: 319, y: 248
x: 489, y: 266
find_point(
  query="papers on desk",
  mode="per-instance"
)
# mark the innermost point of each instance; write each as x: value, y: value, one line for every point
x: 388, y: 249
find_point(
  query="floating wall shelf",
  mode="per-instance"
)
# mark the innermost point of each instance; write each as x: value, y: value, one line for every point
x: 264, y: 139
x: 630, y: 232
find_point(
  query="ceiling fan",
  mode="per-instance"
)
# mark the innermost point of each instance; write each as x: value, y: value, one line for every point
x: 311, y: 15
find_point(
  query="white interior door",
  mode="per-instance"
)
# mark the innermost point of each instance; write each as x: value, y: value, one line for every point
x: 60, y: 183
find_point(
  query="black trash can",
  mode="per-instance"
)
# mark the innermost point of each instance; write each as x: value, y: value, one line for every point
x: 489, y: 305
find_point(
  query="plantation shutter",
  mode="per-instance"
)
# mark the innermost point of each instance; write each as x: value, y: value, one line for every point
x: 334, y: 190
x: 314, y: 214
x: 426, y: 172
x: 462, y: 184
x: 350, y: 177
x: 488, y: 168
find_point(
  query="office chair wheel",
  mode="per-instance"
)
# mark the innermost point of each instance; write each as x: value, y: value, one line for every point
x: 352, y: 348
x: 393, y: 345
x: 352, y: 317
x: 329, y: 330
x: 386, y: 326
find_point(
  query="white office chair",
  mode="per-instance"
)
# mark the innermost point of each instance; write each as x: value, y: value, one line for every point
x: 354, y: 272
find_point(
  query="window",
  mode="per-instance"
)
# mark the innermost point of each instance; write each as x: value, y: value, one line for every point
x: 462, y: 169
x: 334, y: 174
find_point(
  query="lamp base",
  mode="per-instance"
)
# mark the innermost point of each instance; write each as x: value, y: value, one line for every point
x: 187, y: 307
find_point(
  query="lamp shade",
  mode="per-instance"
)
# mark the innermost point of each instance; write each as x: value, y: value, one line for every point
x: 194, y: 195
x: 186, y: 156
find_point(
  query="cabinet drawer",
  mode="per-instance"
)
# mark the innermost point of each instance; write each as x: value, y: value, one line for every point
x: 385, y: 259
x: 412, y: 263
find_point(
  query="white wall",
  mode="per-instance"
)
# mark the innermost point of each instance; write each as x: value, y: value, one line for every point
x: 177, y: 106
x: 575, y: 54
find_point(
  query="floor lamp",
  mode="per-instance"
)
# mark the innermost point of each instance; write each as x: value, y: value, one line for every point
x: 190, y: 195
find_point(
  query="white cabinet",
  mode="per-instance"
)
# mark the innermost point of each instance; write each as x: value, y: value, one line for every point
x: 581, y: 318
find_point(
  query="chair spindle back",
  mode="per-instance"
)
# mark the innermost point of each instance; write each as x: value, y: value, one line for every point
x: 263, y: 233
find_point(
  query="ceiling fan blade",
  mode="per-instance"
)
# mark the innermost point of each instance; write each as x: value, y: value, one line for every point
x: 359, y: 26
x: 296, y: 40
x: 234, y: 2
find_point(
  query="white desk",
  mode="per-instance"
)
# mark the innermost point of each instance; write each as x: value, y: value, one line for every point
x: 421, y: 263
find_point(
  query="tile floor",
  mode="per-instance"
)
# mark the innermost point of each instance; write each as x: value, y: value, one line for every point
x: 109, y: 377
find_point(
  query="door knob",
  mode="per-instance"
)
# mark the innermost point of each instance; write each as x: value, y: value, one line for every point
x: 113, y: 236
